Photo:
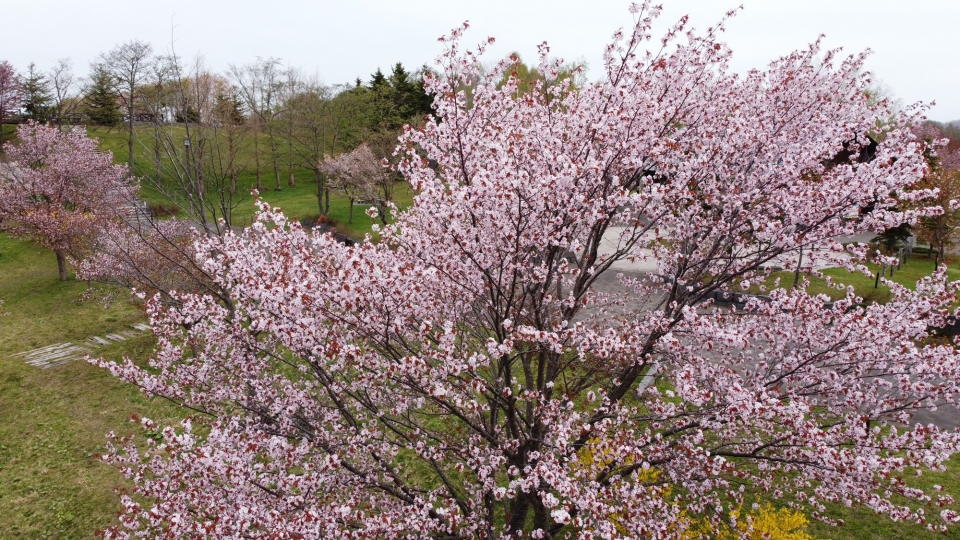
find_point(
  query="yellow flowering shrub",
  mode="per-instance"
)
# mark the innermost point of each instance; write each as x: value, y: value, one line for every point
x: 765, y: 523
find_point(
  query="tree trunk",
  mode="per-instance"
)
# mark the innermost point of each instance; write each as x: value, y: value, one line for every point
x: 291, y: 181
x: 796, y: 275
x: 541, y: 516
x: 351, y: 211
x: 382, y: 211
x: 276, y: 167
x: 157, y: 157
x: 274, y: 157
x: 62, y: 266
x: 256, y: 159
x: 130, y: 132
x: 517, y: 515
x: 320, y: 186
x: 231, y: 169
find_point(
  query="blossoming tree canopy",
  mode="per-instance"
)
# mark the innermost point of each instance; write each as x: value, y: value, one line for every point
x: 58, y: 189
x: 466, y: 377
x: 357, y: 174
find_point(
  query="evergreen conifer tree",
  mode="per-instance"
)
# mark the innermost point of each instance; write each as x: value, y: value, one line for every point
x: 37, y: 98
x: 101, y: 101
x: 377, y: 80
x: 411, y: 100
x: 229, y: 109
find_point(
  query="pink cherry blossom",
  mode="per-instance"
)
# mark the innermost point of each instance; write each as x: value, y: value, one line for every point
x: 482, y: 371
x: 59, y: 189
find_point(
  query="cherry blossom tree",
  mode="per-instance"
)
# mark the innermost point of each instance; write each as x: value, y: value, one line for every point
x: 59, y: 189
x: 942, y: 216
x: 357, y: 174
x: 937, y: 229
x: 11, y: 92
x: 484, y: 372
x: 943, y: 151
x: 156, y: 259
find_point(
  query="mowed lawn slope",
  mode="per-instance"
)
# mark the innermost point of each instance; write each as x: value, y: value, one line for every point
x: 53, y: 422
x: 297, y: 202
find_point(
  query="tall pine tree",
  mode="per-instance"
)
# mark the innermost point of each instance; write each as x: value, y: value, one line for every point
x: 101, y: 99
x: 37, y: 97
x: 396, y: 100
x: 228, y: 109
x: 411, y: 100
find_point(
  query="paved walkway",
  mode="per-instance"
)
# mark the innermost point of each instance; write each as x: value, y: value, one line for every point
x: 645, y: 262
x: 61, y: 353
x: 945, y: 417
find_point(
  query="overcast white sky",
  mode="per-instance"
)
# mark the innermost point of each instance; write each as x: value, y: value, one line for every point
x: 916, y: 54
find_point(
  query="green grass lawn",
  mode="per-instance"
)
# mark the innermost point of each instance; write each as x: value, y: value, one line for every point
x: 864, y: 524
x: 9, y: 132
x: 54, y: 421
x: 301, y: 202
x: 914, y: 269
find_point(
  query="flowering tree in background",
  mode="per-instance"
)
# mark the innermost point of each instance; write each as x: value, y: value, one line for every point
x: 357, y: 174
x: 936, y: 227
x: 11, y: 92
x: 945, y: 152
x: 59, y: 189
x: 155, y: 259
x: 481, y: 372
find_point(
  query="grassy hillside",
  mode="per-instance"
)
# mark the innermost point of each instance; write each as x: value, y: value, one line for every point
x: 299, y: 201
x: 915, y: 268
x: 54, y: 421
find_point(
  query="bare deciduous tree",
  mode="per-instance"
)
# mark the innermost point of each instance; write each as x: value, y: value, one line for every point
x: 287, y: 119
x: 65, y: 86
x: 129, y: 64
x: 261, y: 87
x: 319, y: 122
x: 198, y: 153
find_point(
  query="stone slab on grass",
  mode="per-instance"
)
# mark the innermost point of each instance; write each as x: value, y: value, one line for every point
x: 54, y: 355
x: 61, y: 353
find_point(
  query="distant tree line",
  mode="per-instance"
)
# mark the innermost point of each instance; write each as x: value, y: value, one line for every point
x: 203, y: 129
